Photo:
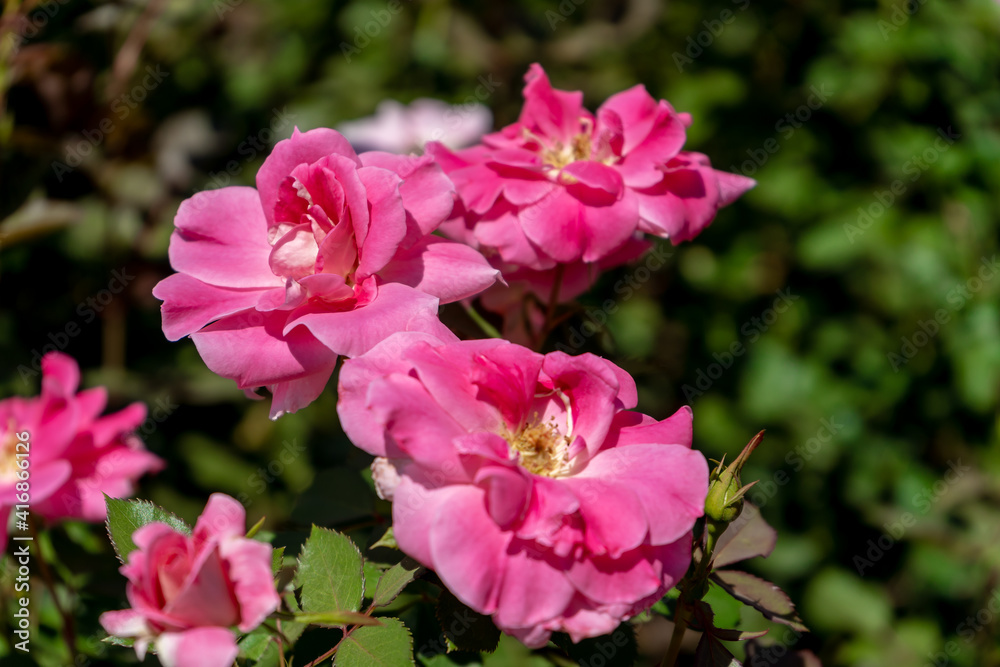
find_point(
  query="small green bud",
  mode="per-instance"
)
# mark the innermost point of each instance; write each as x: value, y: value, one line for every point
x: 724, y: 501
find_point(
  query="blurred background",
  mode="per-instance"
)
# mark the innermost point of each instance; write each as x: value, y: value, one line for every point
x: 849, y: 304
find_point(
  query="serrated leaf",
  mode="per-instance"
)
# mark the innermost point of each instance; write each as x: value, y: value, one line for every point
x: 253, y: 645
x: 737, y: 635
x: 762, y: 595
x: 336, y: 619
x: 394, y: 580
x: 725, y: 608
x: 469, y: 630
x: 617, y: 649
x: 387, y: 645
x: 747, y: 537
x: 277, y: 560
x: 706, y: 616
x: 330, y: 573
x: 388, y: 540
x: 127, y: 516
x: 711, y: 653
x: 119, y: 641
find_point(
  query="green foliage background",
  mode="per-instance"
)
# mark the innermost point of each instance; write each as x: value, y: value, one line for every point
x: 893, y: 75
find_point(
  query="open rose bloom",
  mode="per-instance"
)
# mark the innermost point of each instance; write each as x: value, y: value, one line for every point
x: 562, y: 185
x: 187, y: 591
x: 525, y: 482
x: 328, y: 256
x: 75, y: 456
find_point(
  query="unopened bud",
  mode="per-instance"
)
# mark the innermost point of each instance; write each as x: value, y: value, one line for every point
x: 724, y: 501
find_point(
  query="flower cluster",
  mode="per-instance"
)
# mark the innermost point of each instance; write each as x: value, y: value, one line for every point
x: 523, y: 479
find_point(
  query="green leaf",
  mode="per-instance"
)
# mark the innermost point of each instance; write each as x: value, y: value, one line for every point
x: 706, y: 620
x: 617, y: 649
x: 387, y: 645
x: 330, y: 573
x: 336, y: 619
x: 388, y: 540
x: 277, y: 560
x: 762, y: 595
x: 394, y: 580
x: 468, y: 630
x: 725, y: 608
x: 257, y: 526
x: 119, y: 641
x: 253, y: 645
x: 712, y: 653
x: 748, y: 536
x: 127, y: 516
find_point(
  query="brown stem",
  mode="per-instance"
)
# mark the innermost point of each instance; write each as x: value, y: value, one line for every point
x: 347, y: 633
x: 550, y: 322
x: 693, y: 588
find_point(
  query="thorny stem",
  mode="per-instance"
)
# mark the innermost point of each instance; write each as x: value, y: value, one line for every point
x: 347, y: 632
x: 693, y: 588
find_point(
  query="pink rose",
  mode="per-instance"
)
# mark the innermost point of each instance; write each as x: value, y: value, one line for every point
x: 328, y: 256
x: 187, y: 591
x: 399, y: 128
x: 524, y: 483
x: 561, y: 185
x: 73, y: 455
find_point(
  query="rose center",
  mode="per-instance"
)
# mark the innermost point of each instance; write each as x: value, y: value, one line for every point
x: 540, y: 449
x: 8, y: 453
x: 558, y: 156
